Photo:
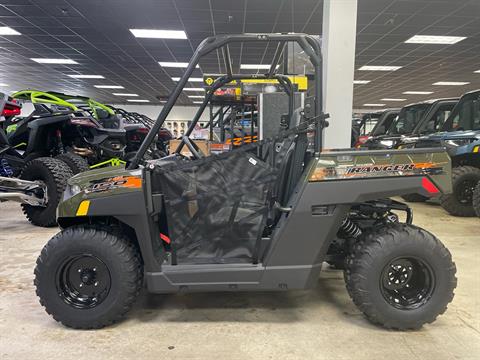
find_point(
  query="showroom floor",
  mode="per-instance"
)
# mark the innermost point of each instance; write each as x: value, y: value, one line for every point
x: 318, y: 324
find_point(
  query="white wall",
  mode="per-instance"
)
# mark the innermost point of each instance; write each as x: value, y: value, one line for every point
x: 177, y: 113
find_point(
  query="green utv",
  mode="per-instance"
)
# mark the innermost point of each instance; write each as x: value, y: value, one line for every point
x: 262, y: 217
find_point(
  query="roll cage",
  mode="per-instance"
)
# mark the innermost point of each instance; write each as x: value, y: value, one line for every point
x: 309, y: 45
x: 64, y: 100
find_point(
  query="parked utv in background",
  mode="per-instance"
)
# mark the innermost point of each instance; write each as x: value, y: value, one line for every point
x: 263, y: 216
x: 28, y: 173
x: 460, y: 135
x: 379, y: 122
x: 163, y: 138
x: 89, y: 129
x: 413, y: 120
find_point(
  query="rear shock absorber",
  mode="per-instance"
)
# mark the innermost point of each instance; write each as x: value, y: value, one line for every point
x: 58, y: 135
x: 350, y: 228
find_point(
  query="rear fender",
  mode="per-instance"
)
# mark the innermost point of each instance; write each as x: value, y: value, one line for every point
x: 390, y: 172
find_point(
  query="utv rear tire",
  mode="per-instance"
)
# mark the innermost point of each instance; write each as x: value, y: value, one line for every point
x: 54, y: 174
x: 476, y: 199
x: 401, y: 277
x: 111, y: 266
x: 459, y: 202
x: 414, y: 198
x: 75, y: 162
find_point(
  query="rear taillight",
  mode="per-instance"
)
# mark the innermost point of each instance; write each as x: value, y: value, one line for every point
x: 143, y: 130
x: 9, y: 110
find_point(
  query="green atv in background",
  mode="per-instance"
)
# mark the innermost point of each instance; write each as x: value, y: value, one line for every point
x: 261, y: 217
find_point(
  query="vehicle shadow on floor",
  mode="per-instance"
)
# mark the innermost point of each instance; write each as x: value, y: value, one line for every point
x: 274, y: 307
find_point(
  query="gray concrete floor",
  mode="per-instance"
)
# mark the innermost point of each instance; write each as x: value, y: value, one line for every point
x: 318, y: 324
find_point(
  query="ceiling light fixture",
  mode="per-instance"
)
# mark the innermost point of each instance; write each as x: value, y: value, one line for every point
x: 124, y: 94
x: 392, y: 99
x: 359, y: 82
x: 255, y: 66
x: 477, y: 71
x: 198, y: 102
x: 80, y: 76
x: 138, y: 100
x: 5, y: 30
x: 4, y: 85
x: 434, y: 39
x: 417, y: 92
x: 379, y: 68
x: 373, y: 104
x: 109, y: 86
x: 453, y: 83
x: 194, y: 89
x: 159, y: 34
x: 196, y: 96
x: 174, y: 64
x: 54, y: 61
x: 192, y: 79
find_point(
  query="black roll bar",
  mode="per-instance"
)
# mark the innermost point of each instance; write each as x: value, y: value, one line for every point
x: 308, y: 44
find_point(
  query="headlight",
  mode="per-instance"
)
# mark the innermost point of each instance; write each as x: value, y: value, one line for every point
x: 75, y: 189
x: 386, y: 142
x: 460, y: 142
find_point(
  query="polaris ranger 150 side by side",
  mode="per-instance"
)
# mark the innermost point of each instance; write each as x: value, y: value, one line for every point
x: 261, y: 217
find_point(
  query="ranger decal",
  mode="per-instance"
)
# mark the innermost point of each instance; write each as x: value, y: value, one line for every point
x: 379, y: 168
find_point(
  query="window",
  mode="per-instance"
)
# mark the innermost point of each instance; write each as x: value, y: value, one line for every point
x: 435, y: 123
x: 466, y: 115
x: 408, y: 118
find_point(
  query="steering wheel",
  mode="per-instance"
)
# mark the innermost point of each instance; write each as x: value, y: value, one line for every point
x: 194, y: 149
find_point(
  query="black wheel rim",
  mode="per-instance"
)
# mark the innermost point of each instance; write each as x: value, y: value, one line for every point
x: 464, y: 191
x: 407, y: 283
x: 83, y: 281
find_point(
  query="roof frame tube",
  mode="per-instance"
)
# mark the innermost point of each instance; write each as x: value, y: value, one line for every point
x: 308, y: 43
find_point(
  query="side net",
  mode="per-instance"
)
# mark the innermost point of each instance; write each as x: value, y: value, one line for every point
x: 216, y: 206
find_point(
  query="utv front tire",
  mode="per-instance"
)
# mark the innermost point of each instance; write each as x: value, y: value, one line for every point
x: 414, y: 198
x: 401, y: 277
x: 75, y: 162
x: 54, y: 174
x: 88, y: 278
x: 459, y: 202
x: 476, y: 199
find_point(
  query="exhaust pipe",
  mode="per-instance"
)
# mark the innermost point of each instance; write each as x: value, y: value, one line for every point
x: 82, y: 151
